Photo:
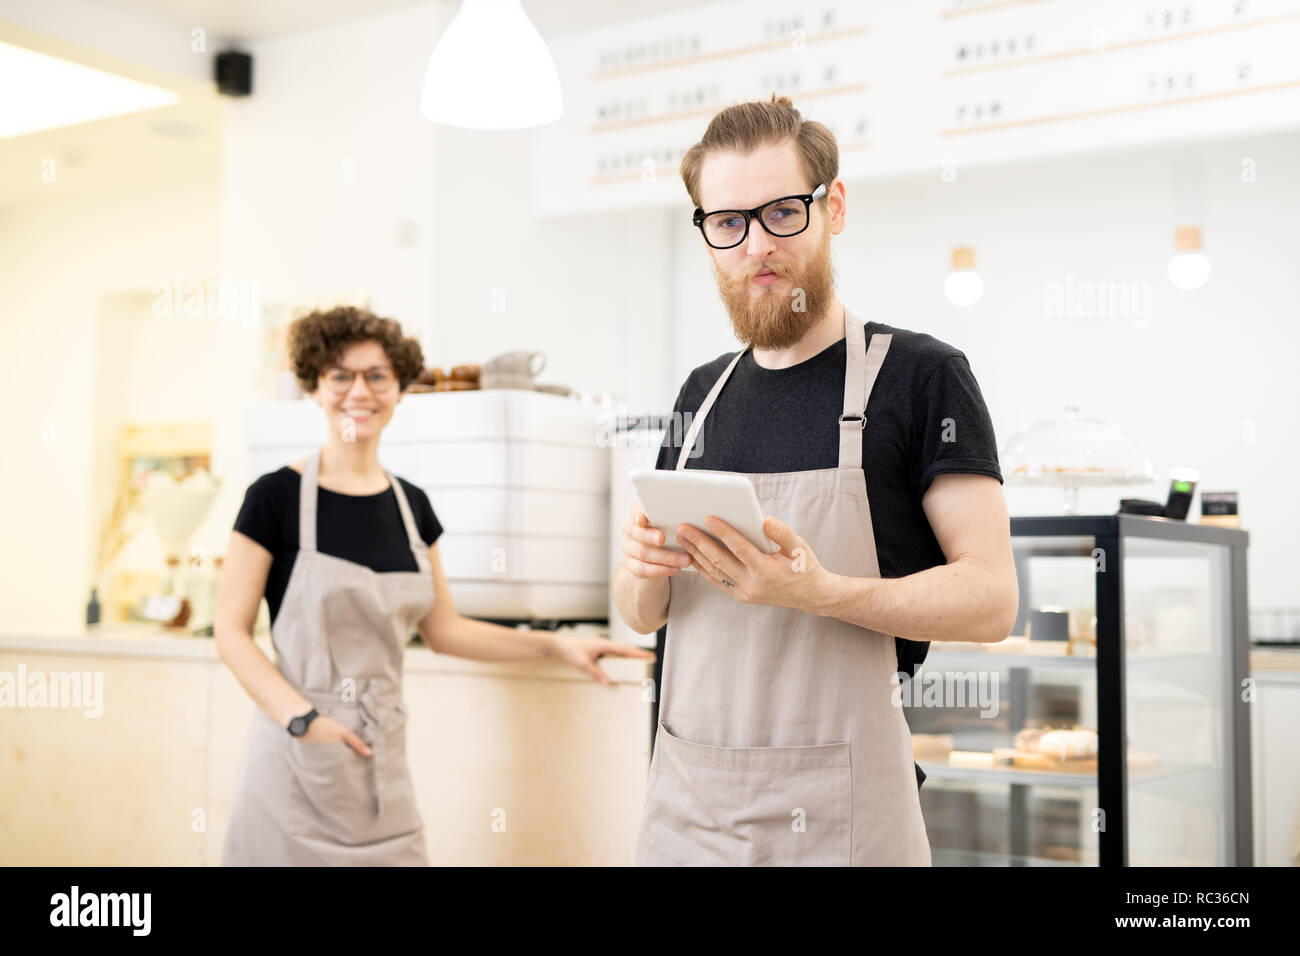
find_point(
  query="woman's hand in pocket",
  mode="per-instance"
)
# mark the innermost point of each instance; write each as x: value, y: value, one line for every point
x: 324, y: 729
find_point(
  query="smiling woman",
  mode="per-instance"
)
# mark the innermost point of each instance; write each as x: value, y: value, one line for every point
x: 330, y: 350
x: 346, y: 555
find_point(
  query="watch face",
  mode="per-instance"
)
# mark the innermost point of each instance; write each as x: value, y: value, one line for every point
x: 297, y: 726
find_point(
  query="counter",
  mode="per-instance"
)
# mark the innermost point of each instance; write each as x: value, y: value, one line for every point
x: 560, y: 758
x: 150, y: 780
x: 1274, y: 719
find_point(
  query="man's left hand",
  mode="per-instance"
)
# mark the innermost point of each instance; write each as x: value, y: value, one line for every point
x: 791, y: 577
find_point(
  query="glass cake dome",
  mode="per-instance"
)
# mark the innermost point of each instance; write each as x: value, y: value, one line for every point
x: 1071, y: 450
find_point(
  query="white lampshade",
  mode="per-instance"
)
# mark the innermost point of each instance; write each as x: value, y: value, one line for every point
x: 491, y: 70
x: 1189, y: 270
x: 963, y: 288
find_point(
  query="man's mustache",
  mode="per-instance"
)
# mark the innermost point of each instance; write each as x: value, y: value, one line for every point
x: 779, y: 270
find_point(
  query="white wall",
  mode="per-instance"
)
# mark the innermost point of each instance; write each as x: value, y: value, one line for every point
x: 1191, y: 384
x: 59, y: 259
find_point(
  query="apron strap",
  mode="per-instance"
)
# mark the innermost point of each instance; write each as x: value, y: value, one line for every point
x: 860, y: 373
x: 307, y: 504
x: 698, y: 421
x: 418, y: 547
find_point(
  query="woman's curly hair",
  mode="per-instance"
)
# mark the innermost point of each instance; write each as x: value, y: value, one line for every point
x: 317, y: 341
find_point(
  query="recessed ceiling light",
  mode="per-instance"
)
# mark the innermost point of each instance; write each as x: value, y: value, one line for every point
x: 59, y: 92
x: 176, y: 129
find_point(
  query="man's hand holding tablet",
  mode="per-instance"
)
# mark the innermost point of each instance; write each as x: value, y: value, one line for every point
x: 643, y: 550
x: 753, y: 559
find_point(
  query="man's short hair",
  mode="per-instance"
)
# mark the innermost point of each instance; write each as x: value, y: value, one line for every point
x: 745, y: 126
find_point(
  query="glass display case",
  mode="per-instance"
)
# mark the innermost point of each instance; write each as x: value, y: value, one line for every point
x: 1112, y: 727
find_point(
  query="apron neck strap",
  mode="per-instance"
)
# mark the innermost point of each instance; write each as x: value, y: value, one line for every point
x: 861, y: 368
x: 307, y: 504
x: 698, y: 421
x: 418, y: 548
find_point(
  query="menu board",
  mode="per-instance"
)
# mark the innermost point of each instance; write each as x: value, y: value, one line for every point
x: 910, y: 86
x: 1054, y: 76
x: 637, y: 96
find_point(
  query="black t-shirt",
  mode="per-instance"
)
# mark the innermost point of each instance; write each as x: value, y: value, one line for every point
x: 925, y: 417
x: 367, y: 529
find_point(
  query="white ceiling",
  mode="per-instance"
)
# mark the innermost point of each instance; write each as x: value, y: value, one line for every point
x: 184, y: 141
x: 253, y: 19
x: 259, y: 19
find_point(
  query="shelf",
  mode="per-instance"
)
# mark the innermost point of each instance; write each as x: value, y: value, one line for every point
x: 969, y: 659
x: 1126, y: 525
x: 943, y: 857
x: 1047, y: 778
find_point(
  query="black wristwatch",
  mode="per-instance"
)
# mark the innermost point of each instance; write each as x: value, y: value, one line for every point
x: 298, y: 726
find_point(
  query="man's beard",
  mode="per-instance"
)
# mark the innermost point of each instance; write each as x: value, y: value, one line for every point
x: 776, y: 318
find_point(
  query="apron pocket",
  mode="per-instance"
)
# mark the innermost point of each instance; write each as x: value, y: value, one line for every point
x: 748, y: 806
x: 334, y: 799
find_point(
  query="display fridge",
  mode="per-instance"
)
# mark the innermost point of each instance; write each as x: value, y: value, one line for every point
x: 1112, y: 727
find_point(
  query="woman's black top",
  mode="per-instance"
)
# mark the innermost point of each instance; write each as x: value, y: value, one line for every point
x: 366, y: 529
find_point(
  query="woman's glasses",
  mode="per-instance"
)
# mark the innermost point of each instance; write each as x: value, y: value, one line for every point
x: 784, y: 217
x: 379, y: 379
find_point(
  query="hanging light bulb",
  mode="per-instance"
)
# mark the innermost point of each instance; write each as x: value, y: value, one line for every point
x: 491, y: 70
x: 1189, y: 268
x: 963, y: 286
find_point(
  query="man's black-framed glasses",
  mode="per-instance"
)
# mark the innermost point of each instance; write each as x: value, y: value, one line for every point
x: 784, y: 217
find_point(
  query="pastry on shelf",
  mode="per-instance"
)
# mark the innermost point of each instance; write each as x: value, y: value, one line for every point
x: 1055, y: 748
x: 979, y: 759
x: 464, y: 373
x: 931, y: 746
x: 427, y: 380
x: 1026, y: 741
x: 1013, y: 644
x: 1004, y: 757
x: 1078, y: 743
x: 1025, y: 760
x: 1063, y: 749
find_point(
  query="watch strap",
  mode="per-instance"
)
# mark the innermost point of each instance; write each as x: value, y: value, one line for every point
x: 306, y: 719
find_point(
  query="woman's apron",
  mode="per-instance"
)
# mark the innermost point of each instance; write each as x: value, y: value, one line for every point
x: 339, y: 638
x: 778, y: 742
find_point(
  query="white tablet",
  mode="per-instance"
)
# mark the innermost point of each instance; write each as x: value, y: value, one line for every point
x: 672, y: 498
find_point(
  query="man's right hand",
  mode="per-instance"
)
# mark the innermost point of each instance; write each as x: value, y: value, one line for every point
x: 642, y: 551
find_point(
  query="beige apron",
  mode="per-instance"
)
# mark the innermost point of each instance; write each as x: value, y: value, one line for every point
x: 339, y: 638
x: 778, y: 743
